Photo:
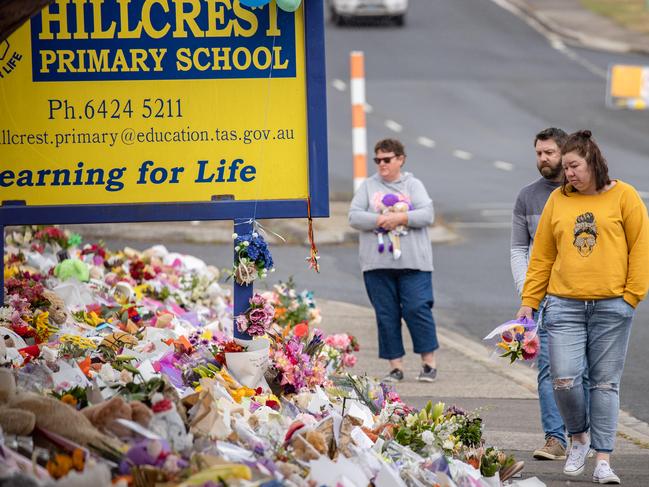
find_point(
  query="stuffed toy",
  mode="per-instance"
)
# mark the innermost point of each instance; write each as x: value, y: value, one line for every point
x: 104, y: 414
x: 21, y: 411
x: 72, y: 268
x: 391, y: 203
x: 167, y: 423
x: 155, y: 453
x: 58, y: 312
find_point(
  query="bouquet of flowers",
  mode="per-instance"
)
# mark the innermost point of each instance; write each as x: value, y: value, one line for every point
x: 293, y: 308
x: 517, y: 339
x: 252, y: 258
x: 435, y: 429
x: 299, y: 364
x: 339, y: 350
x: 258, y: 318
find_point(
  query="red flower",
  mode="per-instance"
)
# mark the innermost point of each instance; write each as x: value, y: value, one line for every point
x: 301, y: 329
x: 272, y: 404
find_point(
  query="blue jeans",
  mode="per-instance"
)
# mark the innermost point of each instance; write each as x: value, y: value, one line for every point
x: 597, y: 333
x: 397, y: 294
x: 551, y: 420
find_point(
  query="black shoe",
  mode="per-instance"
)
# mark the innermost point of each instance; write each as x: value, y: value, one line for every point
x: 395, y: 375
x: 427, y: 374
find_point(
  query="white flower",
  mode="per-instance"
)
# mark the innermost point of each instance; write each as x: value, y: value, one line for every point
x: 237, y: 248
x: 108, y: 374
x: 411, y: 419
x: 246, y: 243
x: 5, y: 314
x: 448, y: 444
x: 234, y: 235
x: 428, y: 437
x: 255, y: 234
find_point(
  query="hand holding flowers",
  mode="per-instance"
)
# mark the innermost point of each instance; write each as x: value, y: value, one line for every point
x: 517, y: 339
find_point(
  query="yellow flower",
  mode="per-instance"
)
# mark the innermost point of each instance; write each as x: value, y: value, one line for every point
x: 10, y: 271
x: 503, y: 345
x: 43, y: 327
x: 140, y: 290
x: 69, y: 399
x: 92, y: 318
x: 79, y: 341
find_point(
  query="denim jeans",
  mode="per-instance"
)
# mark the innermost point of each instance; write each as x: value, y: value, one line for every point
x: 397, y: 294
x: 597, y: 333
x: 551, y: 420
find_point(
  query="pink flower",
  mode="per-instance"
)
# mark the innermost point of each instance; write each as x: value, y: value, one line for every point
x: 531, y: 346
x: 349, y: 360
x: 257, y: 300
x: 338, y: 341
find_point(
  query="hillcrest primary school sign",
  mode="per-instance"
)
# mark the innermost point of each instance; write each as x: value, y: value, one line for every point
x: 161, y: 110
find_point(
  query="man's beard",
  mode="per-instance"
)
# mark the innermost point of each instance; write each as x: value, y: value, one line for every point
x: 549, y: 172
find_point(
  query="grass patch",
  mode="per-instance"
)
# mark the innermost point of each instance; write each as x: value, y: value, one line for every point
x: 632, y: 14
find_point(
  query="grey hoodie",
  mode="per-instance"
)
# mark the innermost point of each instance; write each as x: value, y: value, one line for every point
x: 417, y: 252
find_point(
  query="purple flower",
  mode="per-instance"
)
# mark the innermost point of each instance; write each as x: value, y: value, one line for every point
x: 257, y: 300
x: 242, y: 323
x: 260, y: 316
x: 256, y: 330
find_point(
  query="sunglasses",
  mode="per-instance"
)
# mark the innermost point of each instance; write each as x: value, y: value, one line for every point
x: 384, y: 160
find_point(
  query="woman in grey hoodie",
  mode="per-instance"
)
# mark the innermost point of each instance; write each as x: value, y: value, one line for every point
x: 392, y: 210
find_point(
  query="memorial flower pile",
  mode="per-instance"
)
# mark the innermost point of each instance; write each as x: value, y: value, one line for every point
x: 134, y: 379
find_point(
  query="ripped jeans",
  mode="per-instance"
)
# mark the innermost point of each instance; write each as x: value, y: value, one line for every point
x: 598, y: 330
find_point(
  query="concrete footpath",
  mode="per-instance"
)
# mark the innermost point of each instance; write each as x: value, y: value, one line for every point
x: 471, y: 378
x: 575, y: 25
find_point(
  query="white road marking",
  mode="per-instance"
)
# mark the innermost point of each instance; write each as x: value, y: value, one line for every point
x: 505, y: 166
x: 339, y: 84
x: 644, y: 195
x: 461, y: 154
x: 496, y: 225
x: 426, y: 142
x: 496, y: 212
x: 478, y: 206
x: 195, y: 222
x: 394, y: 126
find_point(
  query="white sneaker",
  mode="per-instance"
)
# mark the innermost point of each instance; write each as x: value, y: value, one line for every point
x: 604, y: 474
x: 576, y: 459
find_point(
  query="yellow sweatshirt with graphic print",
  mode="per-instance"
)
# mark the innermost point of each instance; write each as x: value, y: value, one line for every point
x: 590, y: 247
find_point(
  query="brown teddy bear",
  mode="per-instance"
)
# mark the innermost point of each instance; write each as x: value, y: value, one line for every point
x: 21, y: 411
x: 57, y: 309
x: 103, y: 415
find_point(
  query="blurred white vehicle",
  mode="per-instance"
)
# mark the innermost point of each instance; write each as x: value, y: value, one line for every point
x: 342, y: 10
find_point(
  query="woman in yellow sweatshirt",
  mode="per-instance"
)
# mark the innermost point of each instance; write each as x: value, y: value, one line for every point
x: 591, y: 258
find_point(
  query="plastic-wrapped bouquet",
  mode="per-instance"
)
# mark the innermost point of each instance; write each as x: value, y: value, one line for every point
x: 258, y: 318
x: 339, y: 350
x: 252, y: 259
x: 517, y: 339
x: 299, y: 364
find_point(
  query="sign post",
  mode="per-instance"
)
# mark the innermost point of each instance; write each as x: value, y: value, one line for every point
x: 163, y: 111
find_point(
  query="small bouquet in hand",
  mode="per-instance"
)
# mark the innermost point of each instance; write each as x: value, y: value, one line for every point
x: 517, y: 339
x: 252, y: 259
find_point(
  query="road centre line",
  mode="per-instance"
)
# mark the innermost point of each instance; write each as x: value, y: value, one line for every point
x: 426, y: 142
x: 339, y: 84
x: 505, y: 166
x: 644, y: 195
x: 461, y: 154
x: 394, y: 126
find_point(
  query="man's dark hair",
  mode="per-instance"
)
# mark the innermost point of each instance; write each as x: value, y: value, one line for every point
x: 552, y: 133
x: 584, y: 146
x: 390, y: 145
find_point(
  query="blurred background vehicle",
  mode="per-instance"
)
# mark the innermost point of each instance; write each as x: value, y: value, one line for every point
x: 345, y: 10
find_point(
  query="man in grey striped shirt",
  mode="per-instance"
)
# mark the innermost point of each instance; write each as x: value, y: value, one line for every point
x: 527, y: 213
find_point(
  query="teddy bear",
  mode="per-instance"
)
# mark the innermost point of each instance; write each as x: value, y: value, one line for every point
x: 21, y: 412
x: 104, y: 414
x: 392, y: 203
x: 57, y: 310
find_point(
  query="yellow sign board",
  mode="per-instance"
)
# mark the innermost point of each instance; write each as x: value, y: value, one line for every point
x: 150, y: 101
x: 628, y: 86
